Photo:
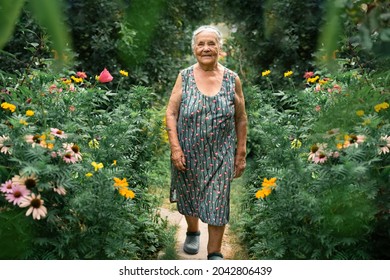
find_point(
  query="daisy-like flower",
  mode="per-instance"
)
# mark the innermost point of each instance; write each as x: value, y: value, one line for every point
x: 74, y: 150
x: 354, y: 140
x: 6, y: 187
x: 5, y: 144
x: 320, y: 158
x: 36, y: 140
x: 35, y: 204
x: 57, y: 132
x: 29, y: 182
x: 121, y: 183
x: 313, y: 152
x: 17, y: 194
x: 97, y: 166
x: 69, y: 157
x: 60, y: 190
x: 384, y: 147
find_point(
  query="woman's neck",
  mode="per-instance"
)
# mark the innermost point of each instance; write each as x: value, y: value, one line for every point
x: 208, y: 68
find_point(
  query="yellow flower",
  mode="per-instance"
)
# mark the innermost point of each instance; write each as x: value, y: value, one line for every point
x: 367, y: 122
x: 313, y: 80
x: 93, y: 144
x: 339, y: 146
x: 124, y: 73
x: 360, y: 113
x: 67, y: 81
x: 126, y: 193
x: 269, y: 183
x: 23, y: 121
x: 114, y: 162
x: 30, y: 113
x: 97, y: 166
x: 120, y: 183
x: 288, y: 74
x: 296, y: 144
x: 322, y: 82
x: 89, y: 174
x: 263, y: 193
x: 265, y: 73
x: 8, y: 106
x: 76, y: 80
x: 381, y: 106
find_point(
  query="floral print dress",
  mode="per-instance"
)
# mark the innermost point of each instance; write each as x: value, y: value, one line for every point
x: 206, y: 131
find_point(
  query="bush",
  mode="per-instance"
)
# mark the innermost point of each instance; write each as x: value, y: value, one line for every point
x: 81, y: 150
x: 326, y: 148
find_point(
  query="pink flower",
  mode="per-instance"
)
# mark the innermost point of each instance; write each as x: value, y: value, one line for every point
x: 36, y: 206
x: 6, y: 187
x: 105, y: 76
x: 74, y: 150
x: 60, y: 190
x: 318, y: 108
x: 308, y: 75
x: 337, y: 87
x: 320, y: 158
x: 68, y: 157
x: 384, y: 147
x: 18, y: 193
x: 81, y: 75
x: 5, y: 145
x: 58, y: 133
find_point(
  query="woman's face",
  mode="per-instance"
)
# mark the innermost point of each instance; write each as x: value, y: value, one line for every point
x: 206, y: 48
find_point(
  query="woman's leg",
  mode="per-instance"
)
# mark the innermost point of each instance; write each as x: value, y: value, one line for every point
x: 192, y: 224
x: 215, y: 239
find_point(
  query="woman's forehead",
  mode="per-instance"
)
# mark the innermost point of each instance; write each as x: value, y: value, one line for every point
x: 206, y: 36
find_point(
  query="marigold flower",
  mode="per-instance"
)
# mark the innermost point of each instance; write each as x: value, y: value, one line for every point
x: 8, y: 106
x: 89, y: 174
x: 313, y: 80
x: 265, y: 73
x: 263, y: 193
x: 23, y: 122
x: 76, y: 80
x: 120, y: 182
x: 97, y: 166
x: 126, y: 193
x: 360, y: 113
x: 105, y: 76
x: 269, y: 183
x: 381, y: 106
x: 124, y: 73
x: 30, y: 113
x: 288, y: 74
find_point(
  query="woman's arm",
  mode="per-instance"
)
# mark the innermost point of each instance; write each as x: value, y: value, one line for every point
x: 172, y: 115
x: 241, y: 130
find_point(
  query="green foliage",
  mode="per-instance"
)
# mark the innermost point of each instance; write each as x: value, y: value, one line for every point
x: 105, y: 135
x: 330, y: 209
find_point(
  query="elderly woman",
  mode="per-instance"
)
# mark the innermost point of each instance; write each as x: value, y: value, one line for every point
x: 207, y: 130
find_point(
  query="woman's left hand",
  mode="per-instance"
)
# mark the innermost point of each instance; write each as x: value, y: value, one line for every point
x: 239, y: 166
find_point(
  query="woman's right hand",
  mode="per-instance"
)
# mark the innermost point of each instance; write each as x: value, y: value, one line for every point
x: 179, y: 160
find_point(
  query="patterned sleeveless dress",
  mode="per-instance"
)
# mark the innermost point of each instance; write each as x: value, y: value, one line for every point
x: 206, y: 132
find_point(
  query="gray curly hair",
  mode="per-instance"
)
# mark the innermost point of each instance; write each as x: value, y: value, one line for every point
x: 207, y: 28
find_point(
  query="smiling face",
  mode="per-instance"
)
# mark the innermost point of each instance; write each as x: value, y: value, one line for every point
x: 206, y: 48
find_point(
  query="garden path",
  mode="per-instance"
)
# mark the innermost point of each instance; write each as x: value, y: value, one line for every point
x: 175, y: 218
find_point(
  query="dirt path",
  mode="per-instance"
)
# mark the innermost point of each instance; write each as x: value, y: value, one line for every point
x: 175, y: 218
